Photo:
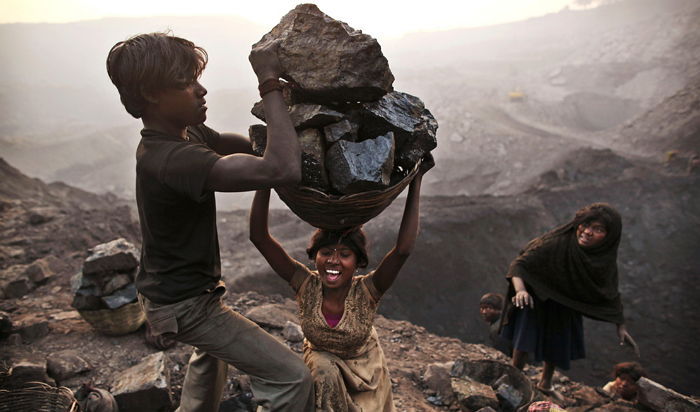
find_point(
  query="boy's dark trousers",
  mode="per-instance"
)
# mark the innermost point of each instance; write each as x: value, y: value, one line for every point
x: 279, y: 378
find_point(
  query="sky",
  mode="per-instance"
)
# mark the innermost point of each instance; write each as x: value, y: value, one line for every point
x: 380, y: 17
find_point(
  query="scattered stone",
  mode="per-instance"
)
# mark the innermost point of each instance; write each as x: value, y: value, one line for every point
x: 15, y: 339
x: 292, y: 332
x: 29, y: 370
x: 509, y: 396
x: 313, y: 170
x: 473, y: 395
x: 69, y: 314
x: 342, y: 130
x: 33, y: 330
x: 116, y: 256
x: 437, y: 379
x: 5, y: 325
x: 39, y: 271
x: 327, y: 60
x: 586, y: 395
x: 145, y: 386
x: 362, y: 166
x: 271, y: 315
x: 13, y: 282
x: 41, y: 215
x: 661, y: 398
x: 486, y: 409
x: 66, y: 364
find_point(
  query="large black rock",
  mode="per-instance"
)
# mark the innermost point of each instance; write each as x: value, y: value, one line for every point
x: 361, y: 166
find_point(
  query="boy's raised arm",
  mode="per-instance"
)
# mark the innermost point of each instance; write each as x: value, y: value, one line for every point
x: 281, y: 163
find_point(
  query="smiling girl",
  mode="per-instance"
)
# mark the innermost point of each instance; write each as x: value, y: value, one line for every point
x: 337, y: 306
x: 566, y: 273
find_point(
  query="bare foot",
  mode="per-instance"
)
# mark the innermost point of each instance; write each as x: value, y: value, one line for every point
x: 552, y: 393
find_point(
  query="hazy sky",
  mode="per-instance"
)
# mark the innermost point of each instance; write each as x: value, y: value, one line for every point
x: 380, y: 17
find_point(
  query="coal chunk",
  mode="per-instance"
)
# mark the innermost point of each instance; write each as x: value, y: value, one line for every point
x: 327, y: 60
x: 342, y: 130
x: 361, y: 166
x: 313, y: 155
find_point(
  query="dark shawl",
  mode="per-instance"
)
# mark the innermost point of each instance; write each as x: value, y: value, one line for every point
x: 554, y: 266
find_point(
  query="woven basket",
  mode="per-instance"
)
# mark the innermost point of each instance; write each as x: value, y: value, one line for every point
x: 39, y: 397
x: 333, y: 212
x: 121, y: 321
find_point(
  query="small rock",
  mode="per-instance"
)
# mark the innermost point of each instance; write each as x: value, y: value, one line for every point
x: 509, y: 396
x: 65, y: 364
x: 38, y: 271
x: 116, y: 256
x: 271, y: 315
x: 5, y: 324
x: 437, y: 379
x: 473, y: 395
x: 15, y: 339
x: 362, y: 166
x: 30, y: 370
x: 342, y: 130
x: 34, y: 330
x: 292, y: 332
x: 145, y: 386
x: 313, y: 170
x: 121, y: 297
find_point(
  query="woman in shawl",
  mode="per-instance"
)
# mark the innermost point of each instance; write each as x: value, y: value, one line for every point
x: 559, y: 276
x: 337, y: 307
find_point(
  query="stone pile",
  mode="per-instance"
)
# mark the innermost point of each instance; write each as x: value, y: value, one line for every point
x: 357, y: 134
x: 107, y: 278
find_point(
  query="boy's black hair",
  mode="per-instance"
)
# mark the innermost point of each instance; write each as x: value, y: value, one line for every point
x: 353, y: 238
x: 146, y: 64
x: 495, y: 300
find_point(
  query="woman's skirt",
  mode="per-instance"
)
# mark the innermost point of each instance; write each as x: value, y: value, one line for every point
x: 551, y: 332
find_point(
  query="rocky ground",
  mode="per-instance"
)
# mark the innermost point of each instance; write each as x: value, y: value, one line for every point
x: 46, y: 330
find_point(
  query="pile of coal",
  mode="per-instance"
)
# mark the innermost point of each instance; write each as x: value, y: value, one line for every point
x: 107, y: 278
x: 357, y: 134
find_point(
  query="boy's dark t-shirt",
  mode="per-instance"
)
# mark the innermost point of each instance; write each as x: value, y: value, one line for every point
x: 180, y: 250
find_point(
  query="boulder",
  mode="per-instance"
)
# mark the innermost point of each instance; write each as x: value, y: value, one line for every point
x: 145, y: 386
x: 66, y: 364
x: 361, y: 166
x: 414, y: 126
x: 660, y: 398
x: 327, y: 60
x: 116, y: 256
x: 473, y: 395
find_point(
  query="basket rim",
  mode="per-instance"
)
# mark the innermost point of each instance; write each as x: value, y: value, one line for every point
x: 342, y: 198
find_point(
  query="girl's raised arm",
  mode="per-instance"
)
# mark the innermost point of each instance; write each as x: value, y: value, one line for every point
x: 389, y: 267
x: 272, y: 251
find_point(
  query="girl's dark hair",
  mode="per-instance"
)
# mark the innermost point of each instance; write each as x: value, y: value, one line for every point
x: 149, y: 63
x: 633, y: 369
x: 353, y: 238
